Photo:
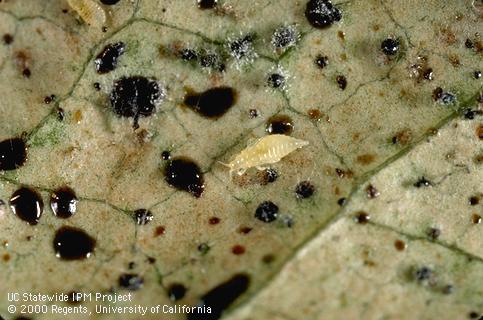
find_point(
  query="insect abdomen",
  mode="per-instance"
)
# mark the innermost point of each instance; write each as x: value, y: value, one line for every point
x: 91, y: 12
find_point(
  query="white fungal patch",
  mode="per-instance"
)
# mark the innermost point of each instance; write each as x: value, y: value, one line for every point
x: 90, y: 11
x: 267, y: 150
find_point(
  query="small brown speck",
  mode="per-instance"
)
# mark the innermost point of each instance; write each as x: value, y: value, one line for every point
x: 159, y: 231
x: 268, y: 258
x: 6, y: 257
x: 344, y: 173
x: 437, y: 93
x: 362, y: 217
x: 341, y: 35
x: 400, y: 245
x: 403, y: 137
x: 366, y: 159
x: 479, y: 132
x: 238, y: 250
x: 214, y: 220
x: 372, y: 192
x: 245, y: 230
x: 476, y: 218
x: 454, y: 60
x: 315, y: 114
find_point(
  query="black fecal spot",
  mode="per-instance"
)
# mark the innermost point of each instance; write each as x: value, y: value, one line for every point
x: 447, y: 98
x: 474, y: 200
x: 372, y: 192
x: 437, y: 93
x: 203, y: 248
x: 267, y: 211
x: 276, y: 80
x: 97, y: 86
x: 184, y: 174
x: 270, y: 175
x: 176, y: 291
x: 241, y: 47
x: 109, y: 2
x: 423, y: 274
x: 13, y: 154
x: 304, y: 190
x: 473, y: 315
x: 341, y: 82
x: 342, y: 202
x: 428, y: 74
x: 131, y: 281
x: 60, y: 114
x: 322, y: 13
x: 188, y: 55
x: 322, y: 61
x: 131, y: 265
x: 27, y: 204
x: 63, y: 202
x: 469, y: 44
x: 7, y: 38
x: 211, y: 60
x: 433, y: 233
x: 207, y: 4
x: 49, y: 99
x: 422, y: 182
x: 106, y: 61
x: 166, y: 155
x: 253, y: 113
x: 447, y: 289
x: 73, y: 244
x: 143, y: 216
x: 477, y: 74
x: 469, y: 114
x: 212, y: 103
x: 135, y: 97
x: 284, y: 37
x: 221, y: 297
x: 362, y: 217
x: 390, y: 46
x: 280, y: 124
x: 26, y: 73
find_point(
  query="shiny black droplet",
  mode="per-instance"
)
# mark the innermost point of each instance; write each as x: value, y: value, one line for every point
x: 390, y: 46
x: 212, y: 103
x: 27, y: 204
x: 176, y: 291
x: 322, y: 13
x: 276, y: 80
x: 267, y: 211
x: 221, y: 297
x: 130, y: 281
x: 280, y: 124
x: 135, y: 97
x: 207, y: 4
x: 63, y: 202
x: 106, y: 61
x: 304, y: 190
x: 184, y: 174
x: 73, y: 244
x: 143, y: 216
x: 13, y: 154
x: 109, y: 2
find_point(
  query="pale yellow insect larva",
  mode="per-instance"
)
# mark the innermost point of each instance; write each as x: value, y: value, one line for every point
x: 266, y: 150
x: 90, y: 11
